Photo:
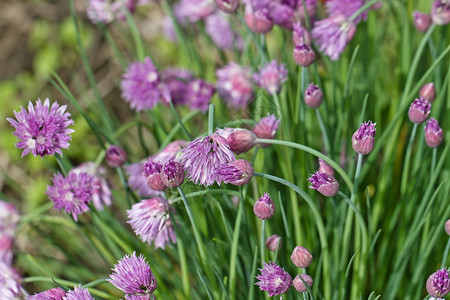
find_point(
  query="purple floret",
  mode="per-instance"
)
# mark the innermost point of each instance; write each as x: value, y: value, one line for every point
x: 274, y: 279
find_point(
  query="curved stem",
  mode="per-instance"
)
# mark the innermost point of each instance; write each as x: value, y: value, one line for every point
x: 234, y: 247
x: 314, y: 152
x: 405, y: 171
x: 263, y: 229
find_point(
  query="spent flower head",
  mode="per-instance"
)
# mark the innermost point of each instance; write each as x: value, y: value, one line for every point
x: 133, y: 276
x: 273, y: 279
x: 363, y: 140
x: 150, y: 220
x: 42, y: 130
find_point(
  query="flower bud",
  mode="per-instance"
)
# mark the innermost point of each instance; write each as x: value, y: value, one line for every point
x: 172, y: 174
x: 258, y: 21
x: 419, y: 110
x: 298, y: 283
x: 228, y: 6
x: 433, y: 133
x: 264, y: 208
x: 363, y: 139
x: 271, y: 77
x: 266, y: 128
x: 325, y: 168
x: 313, y: 96
x: 300, y: 35
x: 440, y: 12
x: 304, y: 55
x: 324, y: 184
x: 237, y: 172
x: 55, y: 293
x: 447, y: 227
x: 301, y: 257
x: 422, y: 21
x: 115, y: 156
x: 152, y: 171
x: 272, y: 242
x: 428, y: 92
x: 438, y: 283
x: 240, y: 140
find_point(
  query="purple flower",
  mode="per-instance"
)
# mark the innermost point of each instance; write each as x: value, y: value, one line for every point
x: 311, y: 8
x: 203, y: 155
x: 433, y: 133
x: 304, y: 55
x: 271, y: 77
x: 133, y: 275
x: 237, y: 172
x: 440, y: 12
x: 176, y: 81
x: 257, y: 19
x: 78, y: 293
x: 419, y: 110
x: 363, y: 140
x: 6, y: 248
x: 10, y: 279
x: 264, y: 208
x: 71, y: 193
x: 324, y: 184
x: 219, y: 30
x: 274, y: 279
x: 195, y: 10
x: 313, y: 96
x: 281, y: 14
x: 438, y: 283
x: 101, y: 192
x: 138, y: 297
x: 346, y: 8
x: 142, y: 86
x: 333, y: 34
x: 152, y: 172
x: 42, y: 130
x: 266, y: 128
x: 150, y: 220
x: 115, y: 156
x: 422, y: 21
x: 52, y: 294
x: 300, y: 34
x: 138, y: 182
x: 198, y: 94
x: 100, y: 11
x: 172, y: 174
x: 234, y: 85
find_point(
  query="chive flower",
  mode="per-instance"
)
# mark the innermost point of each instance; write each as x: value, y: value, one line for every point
x: 138, y: 182
x: 313, y: 96
x: 419, y: 110
x: 325, y: 184
x: 172, y: 174
x: 304, y: 55
x: 235, y: 85
x: 150, y: 220
x: 133, y: 276
x: 271, y: 77
x: 273, y: 279
x: 10, y: 282
x: 346, y: 8
x: 72, y: 193
x: 433, y: 133
x: 257, y: 19
x: 228, y: 6
x: 78, y: 293
x: 264, y: 208
x: 198, y: 94
x: 203, y: 155
x: 52, y: 294
x: 42, y: 130
x: 219, y: 29
x: 176, y: 81
x: 152, y: 172
x: 300, y: 34
x: 299, y: 285
x: 301, y: 257
x: 438, y: 283
x: 363, y: 140
x: 237, y: 172
x: 440, y: 12
x: 422, y: 21
x: 266, y: 128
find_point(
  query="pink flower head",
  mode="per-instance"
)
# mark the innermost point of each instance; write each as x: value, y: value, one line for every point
x: 172, y: 174
x: 152, y: 171
x: 71, y: 193
x: 281, y: 14
x: 438, y: 283
x: 266, y: 128
x: 150, y: 220
x: 363, y: 140
x: 133, y: 276
x: 433, y: 133
x: 237, y: 172
x: 142, y: 87
x: 422, y: 21
x: 10, y: 287
x: 258, y: 20
x: 203, y: 155
x: 346, y: 8
x: 240, y: 140
x: 218, y: 27
x: 299, y: 285
x: 274, y: 279
x: 324, y: 184
x: 419, y: 110
x: 101, y: 192
x: 313, y: 96
x: 78, y: 293
x: 304, y: 55
x: 234, y: 85
x: 42, y: 130
x: 271, y: 77
x: 195, y: 10
x: 333, y: 34
x: 52, y: 294
x: 300, y: 34
x: 264, y: 208
x: 170, y: 152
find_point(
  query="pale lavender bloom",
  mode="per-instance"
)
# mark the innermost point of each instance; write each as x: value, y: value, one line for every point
x: 71, y: 193
x: 266, y: 128
x: 333, y: 34
x: 433, y: 133
x: 281, y: 14
x: 324, y: 184
x: 101, y: 192
x: 219, y: 30
x: 258, y: 20
x: 137, y: 297
x: 52, y: 294
x: 195, y: 10
x: 203, y: 155
x: 440, y: 12
x: 142, y: 86
x: 150, y: 220
x: 42, y: 130
x: 234, y: 85
x: 6, y: 248
x: 170, y: 152
x: 198, y: 94
x: 9, y: 218
x: 271, y: 77
x: 133, y: 275
x: 78, y: 293
x: 100, y: 11
x: 237, y: 172
x: 346, y: 8
x: 10, y: 279
x: 438, y: 283
x: 138, y: 182
x: 274, y: 279
x: 176, y: 81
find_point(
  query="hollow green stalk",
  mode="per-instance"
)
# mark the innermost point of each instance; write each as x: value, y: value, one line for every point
x: 263, y: 230
x: 211, y: 119
x: 405, y: 171
x: 177, y: 116
x: 326, y: 141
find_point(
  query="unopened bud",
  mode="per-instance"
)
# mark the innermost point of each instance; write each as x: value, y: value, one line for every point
x: 301, y: 257
x: 428, y: 92
x: 304, y: 55
x: 298, y: 283
x: 433, y: 133
x: 272, y: 242
x: 152, y: 171
x: 115, y: 156
x: 258, y: 21
x: 264, y: 208
x: 172, y: 174
x: 419, y: 110
x: 313, y: 96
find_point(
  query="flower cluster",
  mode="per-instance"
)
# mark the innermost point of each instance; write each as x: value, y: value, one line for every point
x: 274, y: 279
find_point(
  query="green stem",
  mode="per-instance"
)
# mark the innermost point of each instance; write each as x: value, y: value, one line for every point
x: 314, y: 152
x: 405, y: 173
x: 433, y: 160
x: 61, y: 164
x: 444, y: 258
x: 234, y: 248
x: 177, y: 116
x: 324, y: 132
x: 277, y: 104
x: 362, y: 9
x: 211, y: 119
x: 262, y: 242
x: 252, y: 35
